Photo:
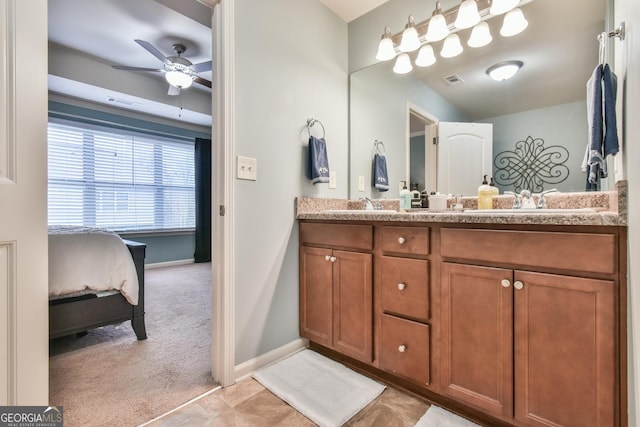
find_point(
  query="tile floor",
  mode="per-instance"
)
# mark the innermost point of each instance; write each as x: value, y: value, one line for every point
x: 248, y: 403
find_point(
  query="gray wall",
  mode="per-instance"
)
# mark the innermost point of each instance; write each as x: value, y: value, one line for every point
x: 417, y: 169
x: 564, y: 125
x: 175, y: 247
x: 291, y: 64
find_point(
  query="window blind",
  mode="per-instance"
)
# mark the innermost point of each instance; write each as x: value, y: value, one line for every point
x: 119, y: 180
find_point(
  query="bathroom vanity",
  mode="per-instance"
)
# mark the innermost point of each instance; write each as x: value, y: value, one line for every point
x: 507, y: 321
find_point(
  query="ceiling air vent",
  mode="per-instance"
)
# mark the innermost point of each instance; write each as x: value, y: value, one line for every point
x: 453, y: 79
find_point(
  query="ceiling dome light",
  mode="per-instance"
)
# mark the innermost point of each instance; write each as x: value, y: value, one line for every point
x: 437, y: 29
x: 480, y: 35
x: 410, y: 41
x: 451, y: 46
x: 403, y: 64
x: 386, y: 50
x: 498, y: 7
x: 514, y: 23
x: 426, y: 56
x: 504, y: 70
x: 178, y: 79
x: 468, y: 15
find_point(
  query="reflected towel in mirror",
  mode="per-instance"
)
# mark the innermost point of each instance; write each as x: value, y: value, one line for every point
x: 380, y: 177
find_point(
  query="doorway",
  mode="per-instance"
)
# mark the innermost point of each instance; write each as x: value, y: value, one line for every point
x: 422, y: 149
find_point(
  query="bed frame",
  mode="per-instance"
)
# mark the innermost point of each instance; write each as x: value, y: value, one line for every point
x: 79, y: 314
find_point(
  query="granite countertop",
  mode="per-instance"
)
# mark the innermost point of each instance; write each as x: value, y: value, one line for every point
x: 605, y: 208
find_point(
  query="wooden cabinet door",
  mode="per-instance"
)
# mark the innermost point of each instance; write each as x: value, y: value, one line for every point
x: 353, y: 300
x: 316, y: 295
x: 565, y: 347
x: 477, y: 336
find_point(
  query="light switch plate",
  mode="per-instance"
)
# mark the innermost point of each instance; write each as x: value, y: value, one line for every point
x: 332, y: 179
x: 361, y: 183
x: 247, y: 168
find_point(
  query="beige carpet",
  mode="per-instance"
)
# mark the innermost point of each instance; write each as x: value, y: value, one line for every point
x: 109, y: 378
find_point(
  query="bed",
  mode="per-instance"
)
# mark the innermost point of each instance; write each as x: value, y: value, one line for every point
x: 95, y: 279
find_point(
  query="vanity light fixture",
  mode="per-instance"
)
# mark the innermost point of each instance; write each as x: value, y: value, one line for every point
x: 480, y: 35
x: 386, y: 51
x: 444, y: 25
x: 468, y: 15
x: 437, y: 29
x: 410, y: 40
x: 178, y: 79
x: 451, y: 46
x: 403, y: 64
x: 498, y: 7
x: 514, y: 23
x: 426, y: 56
x: 504, y: 70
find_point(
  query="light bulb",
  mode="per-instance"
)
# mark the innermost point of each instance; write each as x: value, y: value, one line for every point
x: 437, y: 29
x: 386, y: 50
x: 480, y: 35
x: 504, y: 70
x: 426, y: 56
x: 409, y: 41
x: 403, y: 64
x: 514, y: 23
x: 498, y: 7
x: 468, y: 15
x: 178, y: 79
x: 451, y: 46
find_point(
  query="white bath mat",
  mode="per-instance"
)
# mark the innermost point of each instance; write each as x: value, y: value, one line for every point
x: 438, y: 417
x: 326, y: 392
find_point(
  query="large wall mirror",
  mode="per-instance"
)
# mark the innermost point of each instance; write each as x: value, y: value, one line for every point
x: 543, y: 108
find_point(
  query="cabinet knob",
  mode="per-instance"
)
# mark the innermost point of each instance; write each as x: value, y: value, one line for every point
x: 327, y: 257
x: 402, y: 348
x: 401, y: 240
x: 401, y: 286
x: 518, y: 284
x: 505, y: 283
x: 333, y: 259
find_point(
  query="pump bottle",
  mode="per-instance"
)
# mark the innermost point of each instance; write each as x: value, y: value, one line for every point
x: 485, y: 195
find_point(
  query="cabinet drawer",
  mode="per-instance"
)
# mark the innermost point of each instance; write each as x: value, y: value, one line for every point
x: 585, y: 252
x: 404, y: 287
x: 405, y: 240
x: 337, y: 235
x: 404, y: 348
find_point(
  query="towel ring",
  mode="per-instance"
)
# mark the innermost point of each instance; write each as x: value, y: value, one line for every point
x: 378, y: 146
x: 311, y: 123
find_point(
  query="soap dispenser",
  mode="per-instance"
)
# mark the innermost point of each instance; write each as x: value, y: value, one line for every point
x: 494, y: 189
x: 405, y: 197
x: 485, y: 195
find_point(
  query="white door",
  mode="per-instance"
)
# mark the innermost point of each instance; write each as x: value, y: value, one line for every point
x: 465, y: 154
x: 24, y: 336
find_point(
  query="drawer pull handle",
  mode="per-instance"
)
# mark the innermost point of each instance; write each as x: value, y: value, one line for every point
x: 401, y: 286
x: 518, y: 284
x: 333, y: 259
x: 402, y: 348
x: 327, y: 257
x: 401, y: 240
x: 505, y: 283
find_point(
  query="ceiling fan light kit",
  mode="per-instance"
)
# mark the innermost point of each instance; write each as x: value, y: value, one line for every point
x: 444, y: 25
x: 180, y: 73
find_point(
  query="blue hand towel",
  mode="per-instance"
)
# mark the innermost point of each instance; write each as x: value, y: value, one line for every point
x: 609, y: 87
x: 380, y: 178
x: 318, y: 161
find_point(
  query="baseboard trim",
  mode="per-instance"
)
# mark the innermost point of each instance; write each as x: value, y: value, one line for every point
x: 247, y: 368
x: 168, y: 263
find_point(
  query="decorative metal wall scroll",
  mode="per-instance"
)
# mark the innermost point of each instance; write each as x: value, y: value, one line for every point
x: 531, y: 165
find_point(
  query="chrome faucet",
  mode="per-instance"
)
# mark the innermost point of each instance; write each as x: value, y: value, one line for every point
x: 516, y: 200
x: 542, y: 202
x: 527, y: 201
x: 370, y: 205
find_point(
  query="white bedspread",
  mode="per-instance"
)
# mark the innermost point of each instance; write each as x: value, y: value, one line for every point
x: 83, y: 258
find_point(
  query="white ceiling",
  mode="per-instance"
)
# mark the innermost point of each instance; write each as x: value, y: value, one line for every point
x: 349, y: 10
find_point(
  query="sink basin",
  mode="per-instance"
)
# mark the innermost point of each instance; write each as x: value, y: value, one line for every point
x: 359, y: 211
x: 531, y: 211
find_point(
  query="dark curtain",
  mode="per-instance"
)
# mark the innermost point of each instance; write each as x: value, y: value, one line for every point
x: 203, y: 200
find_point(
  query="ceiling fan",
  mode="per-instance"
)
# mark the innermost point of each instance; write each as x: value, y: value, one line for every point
x: 179, y: 72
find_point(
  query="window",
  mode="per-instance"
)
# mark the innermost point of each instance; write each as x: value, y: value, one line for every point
x: 119, y: 180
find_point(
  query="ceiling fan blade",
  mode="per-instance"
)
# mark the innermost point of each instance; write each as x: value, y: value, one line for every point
x: 152, y: 50
x: 203, y: 82
x: 202, y: 66
x: 173, y: 90
x: 124, y: 67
